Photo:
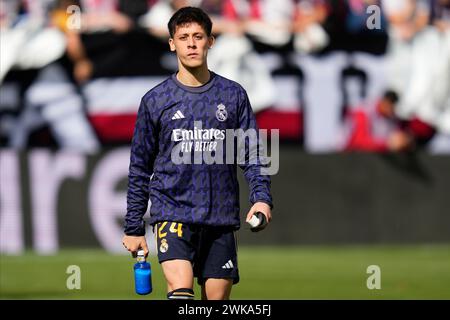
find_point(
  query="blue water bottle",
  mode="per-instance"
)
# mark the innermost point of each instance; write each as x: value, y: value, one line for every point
x: 142, y: 274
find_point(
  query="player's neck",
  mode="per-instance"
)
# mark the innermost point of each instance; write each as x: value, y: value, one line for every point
x: 193, y: 77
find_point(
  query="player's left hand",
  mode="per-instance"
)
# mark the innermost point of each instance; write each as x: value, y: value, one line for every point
x: 261, y: 207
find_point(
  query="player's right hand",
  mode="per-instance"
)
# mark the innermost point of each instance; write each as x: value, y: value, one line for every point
x: 135, y: 243
x: 262, y: 207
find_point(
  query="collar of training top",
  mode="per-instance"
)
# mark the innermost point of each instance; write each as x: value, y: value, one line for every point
x: 199, y: 89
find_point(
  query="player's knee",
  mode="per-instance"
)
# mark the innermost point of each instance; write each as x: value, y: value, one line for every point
x: 216, y: 296
x: 181, y: 294
x: 178, y: 273
x: 216, y: 290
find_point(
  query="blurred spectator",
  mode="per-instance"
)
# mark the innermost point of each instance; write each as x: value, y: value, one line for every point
x: 82, y: 66
x: 98, y: 17
x: 51, y: 99
x: 114, y: 42
x: 103, y: 15
x: 158, y: 16
x: 406, y: 17
x: 377, y: 128
x: 309, y: 34
x: 26, y: 39
x: 419, y: 61
x: 263, y: 21
x: 225, y: 17
x: 267, y: 21
x: 413, y: 58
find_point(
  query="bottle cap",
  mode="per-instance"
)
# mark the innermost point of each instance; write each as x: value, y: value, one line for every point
x: 140, y: 253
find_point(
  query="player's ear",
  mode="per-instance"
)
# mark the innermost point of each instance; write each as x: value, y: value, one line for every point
x: 211, y: 41
x: 171, y: 44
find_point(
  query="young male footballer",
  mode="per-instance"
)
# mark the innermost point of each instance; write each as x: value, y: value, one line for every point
x: 194, y: 204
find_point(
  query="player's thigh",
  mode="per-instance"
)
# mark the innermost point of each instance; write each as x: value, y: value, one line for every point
x: 217, y: 289
x: 176, y: 251
x: 178, y: 274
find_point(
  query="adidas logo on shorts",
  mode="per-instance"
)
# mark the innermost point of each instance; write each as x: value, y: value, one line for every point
x: 228, y: 265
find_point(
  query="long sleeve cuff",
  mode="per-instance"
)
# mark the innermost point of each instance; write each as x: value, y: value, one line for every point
x: 136, y: 230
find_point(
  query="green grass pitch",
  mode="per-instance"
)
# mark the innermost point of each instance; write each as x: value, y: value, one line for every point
x: 305, y: 272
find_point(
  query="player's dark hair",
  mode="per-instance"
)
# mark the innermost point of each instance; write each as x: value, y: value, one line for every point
x: 187, y: 15
x: 391, y: 96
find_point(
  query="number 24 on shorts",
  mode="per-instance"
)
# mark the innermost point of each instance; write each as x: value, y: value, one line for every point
x: 175, y: 227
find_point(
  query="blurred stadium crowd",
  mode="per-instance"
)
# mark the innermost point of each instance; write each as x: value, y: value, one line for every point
x: 333, y: 75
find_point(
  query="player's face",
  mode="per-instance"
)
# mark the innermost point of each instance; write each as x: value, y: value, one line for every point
x: 191, y: 45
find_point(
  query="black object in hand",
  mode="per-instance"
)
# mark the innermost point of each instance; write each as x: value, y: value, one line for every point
x: 262, y: 222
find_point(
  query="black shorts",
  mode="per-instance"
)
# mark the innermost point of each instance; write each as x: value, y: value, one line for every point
x: 212, y: 250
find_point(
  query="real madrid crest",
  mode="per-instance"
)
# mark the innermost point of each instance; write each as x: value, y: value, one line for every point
x: 221, y: 113
x: 164, y: 246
